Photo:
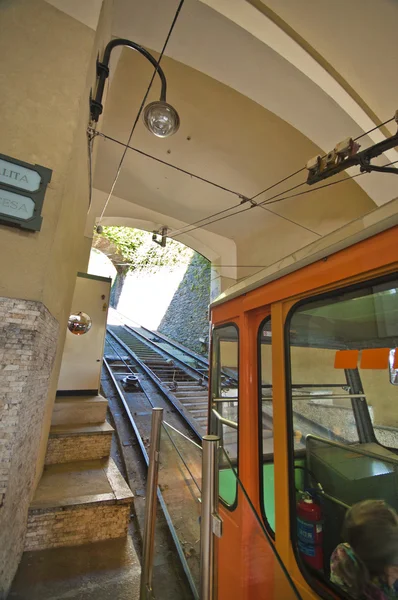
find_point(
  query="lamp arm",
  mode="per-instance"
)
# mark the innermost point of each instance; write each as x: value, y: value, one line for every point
x: 103, y: 73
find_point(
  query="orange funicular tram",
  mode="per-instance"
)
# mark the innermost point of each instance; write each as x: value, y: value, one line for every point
x: 304, y: 382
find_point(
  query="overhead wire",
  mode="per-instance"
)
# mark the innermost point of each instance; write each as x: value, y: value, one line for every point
x: 275, y: 199
x: 188, y: 229
x: 271, y: 201
x: 168, y: 164
x: 374, y: 129
x: 176, y: 15
x: 209, y: 220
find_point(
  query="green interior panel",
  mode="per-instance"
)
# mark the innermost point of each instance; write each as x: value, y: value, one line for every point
x: 227, y: 486
x: 269, y: 486
x: 227, y: 489
x: 269, y: 496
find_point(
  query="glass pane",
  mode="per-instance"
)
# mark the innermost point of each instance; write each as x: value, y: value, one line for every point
x: 345, y: 411
x: 267, y: 438
x: 350, y: 475
x: 320, y: 394
x: 224, y: 394
x: 179, y: 483
x: 261, y: 574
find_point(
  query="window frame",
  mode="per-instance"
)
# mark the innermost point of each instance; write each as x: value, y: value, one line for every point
x: 266, y: 319
x: 233, y: 506
x: 318, y: 585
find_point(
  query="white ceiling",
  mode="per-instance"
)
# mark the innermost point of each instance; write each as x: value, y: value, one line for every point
x: 261, y: 87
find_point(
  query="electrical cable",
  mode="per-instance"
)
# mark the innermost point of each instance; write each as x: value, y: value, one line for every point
x: 209, y: 219
x: 289, y: 220
x: 272, y: 201
x: 374, y: 129
x: 187, y: 227
x: 278, y: 183
x: 253, y: 204
x: 176, y: 15
x: 164, y: 162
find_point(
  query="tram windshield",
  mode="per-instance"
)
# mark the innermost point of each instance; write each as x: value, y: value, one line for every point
x: 344, y: 407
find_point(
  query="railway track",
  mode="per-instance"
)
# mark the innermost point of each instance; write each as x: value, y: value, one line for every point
x: 183, y: 384
x: 180, y: 462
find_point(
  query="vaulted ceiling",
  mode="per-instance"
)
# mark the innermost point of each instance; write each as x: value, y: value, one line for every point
x: 261, y: 87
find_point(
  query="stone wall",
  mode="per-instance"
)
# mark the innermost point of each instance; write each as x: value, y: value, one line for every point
x: 74, y: 526
x: 64, y: 449
x: 186, y: 319
x: 28, y: 341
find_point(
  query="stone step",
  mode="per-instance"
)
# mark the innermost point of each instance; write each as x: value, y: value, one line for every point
x: 196, y: 406
x: 84, y: 410
x: 78, y: 503
x: 67, y: 443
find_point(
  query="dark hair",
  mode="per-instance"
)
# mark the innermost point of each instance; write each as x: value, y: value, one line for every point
x: 371, y: 529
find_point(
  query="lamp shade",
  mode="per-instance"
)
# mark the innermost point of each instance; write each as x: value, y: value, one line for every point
x: 161, y: 118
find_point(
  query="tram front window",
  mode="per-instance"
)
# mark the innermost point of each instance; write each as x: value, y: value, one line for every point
x: 344, y: 410
x: 225, y: 396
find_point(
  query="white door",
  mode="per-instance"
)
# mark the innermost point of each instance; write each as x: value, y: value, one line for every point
x: 84, y: 344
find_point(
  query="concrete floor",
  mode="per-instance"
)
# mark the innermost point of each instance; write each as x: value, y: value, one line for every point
x: 103, y: 571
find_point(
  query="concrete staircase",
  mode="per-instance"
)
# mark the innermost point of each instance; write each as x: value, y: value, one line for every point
x: 81, y: 497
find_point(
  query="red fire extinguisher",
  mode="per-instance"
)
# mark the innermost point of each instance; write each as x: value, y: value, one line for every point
x: 310, y: 531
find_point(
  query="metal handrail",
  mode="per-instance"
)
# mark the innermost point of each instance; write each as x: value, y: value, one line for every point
x: 328, y: 396
x: 224, y: 421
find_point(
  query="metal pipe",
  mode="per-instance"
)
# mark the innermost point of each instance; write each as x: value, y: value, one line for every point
x: 210, y: 446
x: 103, y: 73
x: 224, y: 421
x: 327, y: 396
x: 151, y: 503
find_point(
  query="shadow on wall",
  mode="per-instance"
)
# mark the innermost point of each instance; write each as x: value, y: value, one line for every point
x: 186, y: 319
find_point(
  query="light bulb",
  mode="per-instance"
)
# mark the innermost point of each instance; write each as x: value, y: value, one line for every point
x: 161, y: 118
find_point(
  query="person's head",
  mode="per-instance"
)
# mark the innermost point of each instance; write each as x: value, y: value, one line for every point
x: 371, y: 529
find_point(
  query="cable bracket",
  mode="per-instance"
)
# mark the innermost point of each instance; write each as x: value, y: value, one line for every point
x: 346, y: 154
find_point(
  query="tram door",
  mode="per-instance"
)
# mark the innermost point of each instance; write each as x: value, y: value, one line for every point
x: 242, y: 415
x: 85, y: 337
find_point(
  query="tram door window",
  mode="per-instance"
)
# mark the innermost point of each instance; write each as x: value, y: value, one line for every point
x: 344, y: 410
x: 224, y: 394
x: 266, y: 423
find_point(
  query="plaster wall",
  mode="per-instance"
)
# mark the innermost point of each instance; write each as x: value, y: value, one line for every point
x: 47, y: 71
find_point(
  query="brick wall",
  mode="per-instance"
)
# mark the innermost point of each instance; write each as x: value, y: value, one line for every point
x: 74, y: 526
x: 28, y: 341
x: 79, y: 447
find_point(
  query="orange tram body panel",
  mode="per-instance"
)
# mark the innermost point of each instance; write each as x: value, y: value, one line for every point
x: 304, y: 397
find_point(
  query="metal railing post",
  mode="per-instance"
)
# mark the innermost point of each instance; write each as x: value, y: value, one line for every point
x: 151, y: 505
x: 210, y: 522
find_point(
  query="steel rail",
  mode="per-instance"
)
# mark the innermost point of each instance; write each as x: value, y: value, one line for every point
x: 159, y: 493
x: 179, y: 347
x: 163, y: 421
x: 175, y: 344
x: 161, y: 387
x: 154, y: 345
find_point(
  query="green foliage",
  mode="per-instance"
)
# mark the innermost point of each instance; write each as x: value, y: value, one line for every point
x: 139, y: 253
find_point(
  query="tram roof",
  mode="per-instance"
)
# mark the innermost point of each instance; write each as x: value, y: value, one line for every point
x: 382, y: 218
